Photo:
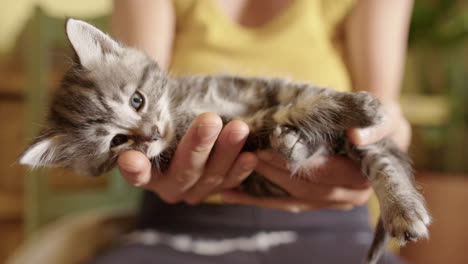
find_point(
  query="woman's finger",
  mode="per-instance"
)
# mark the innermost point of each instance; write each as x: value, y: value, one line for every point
x: 398, y: 129
x: 288, y: 204
x: 189, y: 160
x: 135, y: 168
x: 370, y: 135
x: 281, y: 177
x: 225, y: 152
x: 335, y: 170
x: 242, y: 168
x: 365, y: 136
x: 272, y: 158
x: 312, y: 191
x: 402, y: 137
x: 394, y: 126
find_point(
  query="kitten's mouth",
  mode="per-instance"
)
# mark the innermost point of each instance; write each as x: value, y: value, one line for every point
x: 155, y: 148
x: 155, y: 144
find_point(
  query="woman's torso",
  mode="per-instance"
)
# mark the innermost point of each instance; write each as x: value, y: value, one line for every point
x: 300, y: 42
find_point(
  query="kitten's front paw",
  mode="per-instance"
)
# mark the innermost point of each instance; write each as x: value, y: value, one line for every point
x: 407, y: 219
x: 287, y: 141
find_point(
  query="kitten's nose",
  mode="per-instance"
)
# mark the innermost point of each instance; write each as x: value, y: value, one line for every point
x: 149, y: 133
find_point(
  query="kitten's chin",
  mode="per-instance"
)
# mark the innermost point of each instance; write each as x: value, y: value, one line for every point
x: 155, y: 148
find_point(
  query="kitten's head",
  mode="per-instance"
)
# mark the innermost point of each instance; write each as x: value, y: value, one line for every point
x: 106, y: 104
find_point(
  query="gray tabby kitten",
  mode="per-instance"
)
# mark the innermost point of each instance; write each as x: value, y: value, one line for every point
x: 115, y: 98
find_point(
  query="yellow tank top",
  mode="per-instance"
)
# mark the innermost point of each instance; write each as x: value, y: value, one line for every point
x: 299, y: 43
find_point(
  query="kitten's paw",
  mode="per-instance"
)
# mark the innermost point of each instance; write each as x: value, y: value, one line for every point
x: 288, y: 142
x: 407, y: 219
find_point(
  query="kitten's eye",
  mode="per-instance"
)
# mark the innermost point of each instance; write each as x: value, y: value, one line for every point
x: 137, y: 101
x: 118, y: 140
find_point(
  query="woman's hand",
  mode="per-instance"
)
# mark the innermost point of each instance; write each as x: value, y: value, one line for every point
x: 206, y: 161
x: 333, y: 182
x: 394, y: 126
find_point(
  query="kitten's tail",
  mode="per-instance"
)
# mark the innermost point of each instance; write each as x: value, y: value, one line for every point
x: 381, y: 239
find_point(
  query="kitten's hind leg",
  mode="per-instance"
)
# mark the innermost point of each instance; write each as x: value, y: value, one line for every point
x: 316, y: 120
x: 403, y: 211
x: 327, y: 111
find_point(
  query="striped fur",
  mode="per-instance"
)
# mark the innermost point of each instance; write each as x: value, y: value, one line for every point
x: 298, y: 120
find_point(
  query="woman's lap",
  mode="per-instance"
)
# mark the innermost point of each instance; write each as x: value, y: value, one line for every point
x: 308, y: 248
x: 325, y: 236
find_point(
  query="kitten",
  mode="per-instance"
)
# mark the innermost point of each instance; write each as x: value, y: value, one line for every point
x: 115, y: 98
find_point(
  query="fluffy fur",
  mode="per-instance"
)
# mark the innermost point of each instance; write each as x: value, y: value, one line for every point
x: 114, y: 98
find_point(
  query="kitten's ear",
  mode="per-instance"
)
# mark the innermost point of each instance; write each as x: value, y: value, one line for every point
x: 89, y: 43
x: 44, y: 152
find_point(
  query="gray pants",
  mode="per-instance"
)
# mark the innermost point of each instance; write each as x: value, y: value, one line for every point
x: 325, y: 236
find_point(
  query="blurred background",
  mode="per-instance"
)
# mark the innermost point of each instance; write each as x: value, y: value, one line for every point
x: 34, y: 54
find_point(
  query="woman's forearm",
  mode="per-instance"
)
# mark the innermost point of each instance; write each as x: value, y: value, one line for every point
x: 147, y: 25
x: 376, y: 37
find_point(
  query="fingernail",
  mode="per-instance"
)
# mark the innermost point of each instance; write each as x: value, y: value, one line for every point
x: 236, y: 136
x: 265, y: 156
x: 206, y: 132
